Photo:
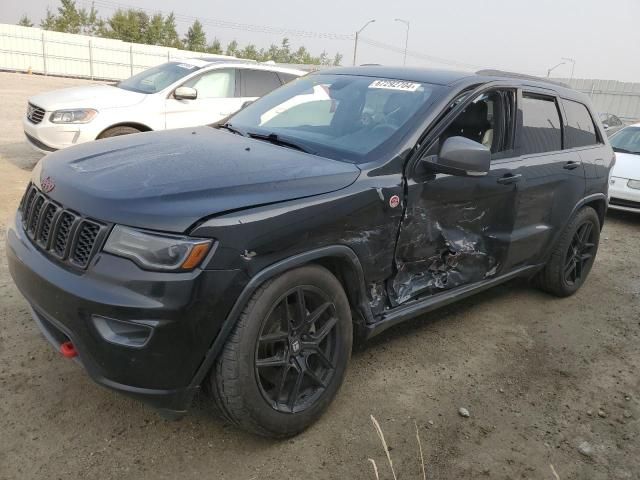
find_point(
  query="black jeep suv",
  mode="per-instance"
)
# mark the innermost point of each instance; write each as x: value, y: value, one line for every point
x: 243, y: 259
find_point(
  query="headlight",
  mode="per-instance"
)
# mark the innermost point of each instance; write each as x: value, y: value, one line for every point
x: 634, y: 184
x: 73, y: 116
x: 157, y: 252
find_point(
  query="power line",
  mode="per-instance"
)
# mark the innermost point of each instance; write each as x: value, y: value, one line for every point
x: 418, y: 55
x: 246, y: 27
x: 182, y: 18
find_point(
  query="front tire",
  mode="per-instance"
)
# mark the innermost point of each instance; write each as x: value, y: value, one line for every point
x: 573, y: 257
x: 287, y: 356
x: 117, y: 132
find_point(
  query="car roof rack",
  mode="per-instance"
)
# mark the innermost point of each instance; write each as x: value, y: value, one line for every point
x: 522, y: 76
x: 223, y: 60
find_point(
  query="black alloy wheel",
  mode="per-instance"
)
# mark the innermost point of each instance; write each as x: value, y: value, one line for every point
x: 287, y: 356
x: 580, y: 254
x: 573, y: 256
x: 296, y: 349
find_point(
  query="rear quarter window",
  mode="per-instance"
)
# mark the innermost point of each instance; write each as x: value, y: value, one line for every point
x: 580, y: 129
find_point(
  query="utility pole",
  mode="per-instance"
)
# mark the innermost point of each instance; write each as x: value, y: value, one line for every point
x: 355, y: 47
x: 406, y: 41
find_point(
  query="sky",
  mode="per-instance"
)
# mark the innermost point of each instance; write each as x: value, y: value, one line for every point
x: 515, y: 35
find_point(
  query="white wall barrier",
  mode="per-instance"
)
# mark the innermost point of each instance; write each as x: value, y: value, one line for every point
x: 54, y: 53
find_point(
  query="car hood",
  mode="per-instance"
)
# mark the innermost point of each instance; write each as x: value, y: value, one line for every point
x: 92, y: 96
x: 627, y: 166
x: 169, y: 180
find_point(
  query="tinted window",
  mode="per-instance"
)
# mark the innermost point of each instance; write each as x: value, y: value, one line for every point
x: 286, y: 77
x: 580, y: 130
x: 540, y: 130
x: 256, y: 83
x: 214, y: 84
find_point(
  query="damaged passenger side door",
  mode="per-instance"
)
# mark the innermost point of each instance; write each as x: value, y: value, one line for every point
x: 457, y: 223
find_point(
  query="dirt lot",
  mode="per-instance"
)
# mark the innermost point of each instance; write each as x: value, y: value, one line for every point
x: 539, y: 376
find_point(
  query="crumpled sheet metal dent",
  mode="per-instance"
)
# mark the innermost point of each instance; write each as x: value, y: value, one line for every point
x: 458, y: 256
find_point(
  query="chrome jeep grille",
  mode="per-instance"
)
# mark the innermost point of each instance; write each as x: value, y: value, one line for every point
x: 35, y: 114
x: 62, y: 233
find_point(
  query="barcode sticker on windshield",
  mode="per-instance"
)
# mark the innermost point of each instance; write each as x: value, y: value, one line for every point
x: 395, y: 85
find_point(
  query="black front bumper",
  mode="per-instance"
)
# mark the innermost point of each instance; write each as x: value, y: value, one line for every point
x: 184, y: 310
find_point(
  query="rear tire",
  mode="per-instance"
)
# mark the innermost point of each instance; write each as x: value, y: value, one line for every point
x: 573, y: 257
x: 283, y: 364
x: 117, y: 132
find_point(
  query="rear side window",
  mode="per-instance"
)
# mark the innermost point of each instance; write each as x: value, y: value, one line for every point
x: 256, y: 83
x: 580, y: 131
x: 540, y: 131
x: 286, y: 77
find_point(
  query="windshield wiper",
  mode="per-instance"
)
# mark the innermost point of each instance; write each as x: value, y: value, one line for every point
x: 229, y: 127
x: 276, y: 140
x: 621, y: 150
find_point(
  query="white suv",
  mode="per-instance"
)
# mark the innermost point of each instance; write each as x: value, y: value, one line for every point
x: 175, y: 94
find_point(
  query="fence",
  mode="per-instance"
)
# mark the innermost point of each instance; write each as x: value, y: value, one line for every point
x: 610, y: 96
x: 55, y: 53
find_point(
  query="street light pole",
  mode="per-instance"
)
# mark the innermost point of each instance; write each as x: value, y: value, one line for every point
x: 573, y: 65
x: 406, y: 41
x: 355, y: 47
x: 553, y: 68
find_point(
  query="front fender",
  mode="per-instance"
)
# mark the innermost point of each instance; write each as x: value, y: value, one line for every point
x: 333, y: 251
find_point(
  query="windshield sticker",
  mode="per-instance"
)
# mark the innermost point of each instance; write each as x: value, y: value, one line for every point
x: 395, y: 85
x: 186, y: 65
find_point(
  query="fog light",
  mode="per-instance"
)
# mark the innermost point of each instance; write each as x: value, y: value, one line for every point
x: 125, y: 333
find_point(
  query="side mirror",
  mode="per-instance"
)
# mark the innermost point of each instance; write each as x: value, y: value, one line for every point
x: 605, y: 125
x: 185, y: 93
x: 461, y: 156
x: 246, y: 104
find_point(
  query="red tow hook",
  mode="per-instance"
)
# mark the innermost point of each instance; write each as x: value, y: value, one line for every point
x: 68, y: 350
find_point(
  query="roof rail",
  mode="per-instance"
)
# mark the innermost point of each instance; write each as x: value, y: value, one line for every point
x: 500, y: 73
x: 223, y: 60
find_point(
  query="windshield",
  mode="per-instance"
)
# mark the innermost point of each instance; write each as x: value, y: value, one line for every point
x: 157, y: 78
x: 627, y: 140
x: 344, y: 117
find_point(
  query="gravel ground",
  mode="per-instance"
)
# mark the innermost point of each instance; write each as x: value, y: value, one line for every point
x: 545, y: 381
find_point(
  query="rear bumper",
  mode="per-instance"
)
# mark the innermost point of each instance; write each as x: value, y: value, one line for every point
x: 184, y: 312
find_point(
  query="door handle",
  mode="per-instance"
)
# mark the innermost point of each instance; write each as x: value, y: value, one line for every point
x: 571, y: 165
x: 510, y: 178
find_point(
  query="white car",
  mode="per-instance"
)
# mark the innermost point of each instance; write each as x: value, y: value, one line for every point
x: 172, y: 95
x: 624, y: 186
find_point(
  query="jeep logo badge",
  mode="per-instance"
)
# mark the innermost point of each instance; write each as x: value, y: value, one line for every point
x: 47, y: 185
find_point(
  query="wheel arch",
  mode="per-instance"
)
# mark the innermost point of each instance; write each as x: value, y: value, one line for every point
x: 599, y: 204
x: 341, y: 260
x: 140, y: 126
